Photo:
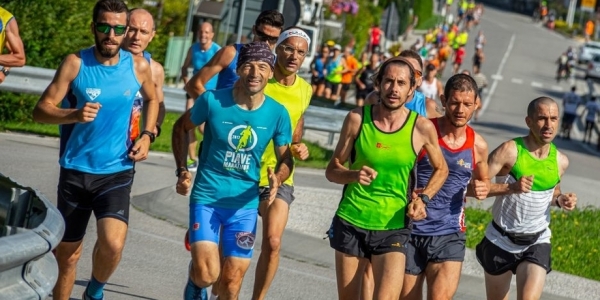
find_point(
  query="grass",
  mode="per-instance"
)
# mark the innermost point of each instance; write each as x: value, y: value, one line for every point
x: 429, y: 23
x: 575, y: 242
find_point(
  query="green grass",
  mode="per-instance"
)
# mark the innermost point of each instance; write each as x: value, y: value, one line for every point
x: 575, y: 238
x: 429, y: 23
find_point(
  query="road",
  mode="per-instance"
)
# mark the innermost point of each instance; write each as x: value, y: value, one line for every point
x: 519, y: 54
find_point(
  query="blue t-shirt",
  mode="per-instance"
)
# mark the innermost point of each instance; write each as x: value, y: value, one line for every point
x: 417, y: 104
x: 200, y: 58
x: 234, y: 142
x: 228, y: 76
x: 100, y: 146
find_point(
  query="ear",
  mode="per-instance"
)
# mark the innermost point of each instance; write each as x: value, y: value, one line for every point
x: 271, y: 74
x: 151, y: 35
x: 443, y: 99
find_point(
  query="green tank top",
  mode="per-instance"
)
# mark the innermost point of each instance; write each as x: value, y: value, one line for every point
x: 382, y: 204
x: 545, y: 171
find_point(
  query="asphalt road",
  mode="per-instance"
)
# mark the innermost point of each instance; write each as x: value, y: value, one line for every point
x: 519, y: 54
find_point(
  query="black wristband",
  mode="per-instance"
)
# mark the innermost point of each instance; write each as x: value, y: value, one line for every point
x: 149, y: 134
x: 158, y: 130
x: 558, y: 202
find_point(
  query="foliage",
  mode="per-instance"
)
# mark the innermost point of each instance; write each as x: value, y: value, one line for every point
x: 423, y: 9
x: 357, y: 26
x: 16, y: 107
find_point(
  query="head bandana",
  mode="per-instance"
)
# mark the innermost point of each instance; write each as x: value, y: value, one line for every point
x: 293, y: 32
x: 256, y: 51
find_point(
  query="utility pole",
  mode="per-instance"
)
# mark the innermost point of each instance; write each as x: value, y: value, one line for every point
x: 571, y: 12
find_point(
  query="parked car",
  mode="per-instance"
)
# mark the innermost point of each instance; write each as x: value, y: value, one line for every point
x: 587, y: 51
x: 593, y: 69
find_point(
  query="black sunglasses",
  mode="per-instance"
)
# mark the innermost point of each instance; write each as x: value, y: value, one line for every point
x: 265, y: 37
x: 105, y: 28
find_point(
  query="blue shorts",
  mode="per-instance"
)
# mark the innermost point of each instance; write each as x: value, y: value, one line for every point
x: 239, y: 228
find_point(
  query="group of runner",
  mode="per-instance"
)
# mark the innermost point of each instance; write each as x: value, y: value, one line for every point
x: 407, y: 165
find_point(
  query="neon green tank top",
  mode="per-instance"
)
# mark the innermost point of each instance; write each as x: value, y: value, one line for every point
x: 545, y: 171
x: 382, y: 204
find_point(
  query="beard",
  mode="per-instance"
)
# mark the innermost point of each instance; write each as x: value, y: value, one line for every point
x: 104, y: 51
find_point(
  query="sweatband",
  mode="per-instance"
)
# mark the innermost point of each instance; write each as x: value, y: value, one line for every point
x: 256, y: 51
x: 293, y: 32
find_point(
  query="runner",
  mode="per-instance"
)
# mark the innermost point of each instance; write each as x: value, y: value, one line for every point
x: 97, y: 88
x: 364, y: 80
x: 241, y: 122
x: 478, y: 59
x: 381, y: 143
x: 431, y: 87
x: 593, y: 109
x: 459, y: 56
x: 10, y: 38
x: 294, y: 93
x: 482, y: 83
x: 528, y: 171
x: 436, y: 248
x: 197, y: 56
x: 140, y: 33
x: 571, y: 102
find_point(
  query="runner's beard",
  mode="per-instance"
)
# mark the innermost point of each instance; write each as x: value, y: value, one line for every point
x: 104, y: 51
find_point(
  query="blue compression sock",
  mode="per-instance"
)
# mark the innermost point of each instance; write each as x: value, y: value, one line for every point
x: 193, y: 292
x: 95, y: 288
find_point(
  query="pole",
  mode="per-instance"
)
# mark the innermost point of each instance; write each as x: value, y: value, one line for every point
x: 188, y: 25
x: 229, y: 13
x: 571, y: 13
x: 240, y: 28
x: 280, y: 7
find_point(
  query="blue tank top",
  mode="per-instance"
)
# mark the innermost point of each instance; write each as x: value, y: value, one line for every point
x: 100, y: 146
x: 320, y: 67
x: 228, y: 76
x: 417, y: 104
x: 445, y: 212
x: 229, y: 170
x: 201, y: 58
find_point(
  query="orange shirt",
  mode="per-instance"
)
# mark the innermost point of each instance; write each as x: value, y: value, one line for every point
x: 352, y: 65
x: 589, y: 28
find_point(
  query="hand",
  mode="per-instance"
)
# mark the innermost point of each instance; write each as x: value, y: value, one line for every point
x: 274, y: 184
x: 479, y: 188
x: 416, y: 209
x: 2, y: 77
x: 300, y: 151
x: 523, y: 185
x: 365, y: 175
x: 88, y: 112
x: 567, y: 201
x: 361, y: 86
x: 184, y: 182
x: 139, y: 151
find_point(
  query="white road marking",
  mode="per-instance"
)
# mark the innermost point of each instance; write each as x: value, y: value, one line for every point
x: 536, y: 84
x: 516, y: 80
x: 500, y: 68
x: 557, y: 88
x: 497, y: 77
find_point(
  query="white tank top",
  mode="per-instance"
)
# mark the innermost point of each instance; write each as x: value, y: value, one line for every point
x: 430, y: 90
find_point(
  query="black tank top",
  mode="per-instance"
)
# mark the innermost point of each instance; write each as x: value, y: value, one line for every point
x: 366, y: 77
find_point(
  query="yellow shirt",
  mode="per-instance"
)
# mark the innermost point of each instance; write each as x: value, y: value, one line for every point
x: 5, y: 17
x: 295, y: 99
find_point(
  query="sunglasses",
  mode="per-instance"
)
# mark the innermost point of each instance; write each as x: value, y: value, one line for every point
x: 105, y: 28
x: 265, y: 37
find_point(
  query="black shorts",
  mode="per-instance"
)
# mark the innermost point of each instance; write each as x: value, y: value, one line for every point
x: 315, y: 80
x: 424, y: 249
x: 81, y: 193
x: 589, y: 125
x: 495, y: 261
x: 285, y: 192
x: 352, y: 240
x: 568, y: 119
x: 346, y: 86
x: 334, y: 87
x: 362, y: 94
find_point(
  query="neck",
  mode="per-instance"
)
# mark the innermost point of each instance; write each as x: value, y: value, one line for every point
x: 447, y: 129
x: 388, y: 116
x: 282, y: 78
x: 247, y: 100
x: 536, y: 146
x: 107, y: 61
x: 205, y: 46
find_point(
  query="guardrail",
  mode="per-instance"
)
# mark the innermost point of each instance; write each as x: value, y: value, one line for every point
x: 34, y: 80
x: 30, y: 228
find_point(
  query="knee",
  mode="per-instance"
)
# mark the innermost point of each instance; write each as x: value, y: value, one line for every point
x: 111, y: 248
x: 67, y: 256
x: 272, y: 245
x: 203, y: 274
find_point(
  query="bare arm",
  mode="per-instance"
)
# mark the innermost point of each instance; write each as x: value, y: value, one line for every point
x: 158, y: 77
x: 285, y: 163
x: 180, y: 139
x: 480, y: 186
x: 500, y: 161
x: 46, y: 110
x: 143, y: 73
x: 186, y: 64
x: 433, y: 109
x: 16, y: 57
x: 429, y: 138
x: 221, y: 60
x: 372, y: 98
x: 336, y: 171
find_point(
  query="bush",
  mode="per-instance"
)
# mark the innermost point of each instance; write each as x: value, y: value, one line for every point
x: 423, y: 9
x: 16, y: 107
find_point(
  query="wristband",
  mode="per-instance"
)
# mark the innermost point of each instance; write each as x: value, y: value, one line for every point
x: 149, y: 134
x: 558, y: 202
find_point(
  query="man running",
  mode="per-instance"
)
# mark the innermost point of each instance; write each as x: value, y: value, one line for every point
x: 381, y: 143
x: 140, y: 33
x: 226, y: 192
x: 436, y: 248
x: 294, y: 93
x: 198, y: 56
x: 97, y: 88
x: 528, y: 172
x: 10, y: 38
x: 571, y: 102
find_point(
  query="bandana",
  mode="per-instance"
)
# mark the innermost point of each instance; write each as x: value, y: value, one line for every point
x: 293, y: 32
x: 256, y: 51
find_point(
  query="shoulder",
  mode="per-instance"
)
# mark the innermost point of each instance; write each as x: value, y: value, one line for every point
x: 423, y: 124
x: 156, y: 67
x: 140, y: 62
x: 563, y: 161
x: 479, y: 142
x: 506, y: 151
x: 72, y: 60
x: 355, y: 116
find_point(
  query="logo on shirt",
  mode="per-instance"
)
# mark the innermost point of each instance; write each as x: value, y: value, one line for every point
x: 242, y: 139
x: 93, y: 93
x: 128, y: 93
x: 381, y: 146
x: 461, y: 162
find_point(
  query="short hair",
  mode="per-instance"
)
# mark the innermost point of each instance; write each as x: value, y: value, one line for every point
x: 396, y: 61
x: 270, y: 17
x: 412, y: 54
x: 573, y: 88
x: 112, y: 6
x: 461, y: 83
x: 131, y: 11
x: 533, y: 105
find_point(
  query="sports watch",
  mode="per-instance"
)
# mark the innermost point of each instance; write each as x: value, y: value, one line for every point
x: 424, y: 198
x: 5, y: 71
x: 180, y: 170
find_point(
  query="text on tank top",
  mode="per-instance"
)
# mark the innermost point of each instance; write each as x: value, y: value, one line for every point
x: 382, y: 204
x: 138, y: 105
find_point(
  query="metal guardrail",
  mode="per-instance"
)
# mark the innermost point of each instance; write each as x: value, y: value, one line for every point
x: 34, y: 80
x: 30, y: 228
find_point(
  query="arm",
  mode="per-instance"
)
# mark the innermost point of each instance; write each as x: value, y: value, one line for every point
x: 285, y: 164
x: 143, y: 72
x: 16, y: 57
x: 46, y: 110
x: 336, y: 171
x: 158, y: 77
x: 179, y: 143
x: 221, y: 60
x: 357, y: 78
x: 299, y: 149
x: 480, y: 184
x: 566, y: 201
x: 433, y: 109
x: 500, y: 161
x: 186, y: 65
x: 428, y: 135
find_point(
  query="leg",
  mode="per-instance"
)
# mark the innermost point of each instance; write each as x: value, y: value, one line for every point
x: 497, y: 287
x: 368, y: 285
x: 349, y: 270
x: 234, y: 269
x: 388, y: 274
x: 275, y: 217
x: 498, y: 266
x: 412, y: 287
x: 442, y: 279
x: 192, y: 134
x: 108, y: 248
x: 530, y: 281
x: 67, y: 255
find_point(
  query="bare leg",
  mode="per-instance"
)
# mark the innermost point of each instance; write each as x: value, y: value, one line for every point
x: 388, y: 274
x: 108, y: 248
x: 442, y: 279
x: 349, y: 272
x: 530, y: 281
x: 368, y: 284
x: 497, y: 287
x: 67, y: 255
x: 412, y: 288
x: 232, y: 275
